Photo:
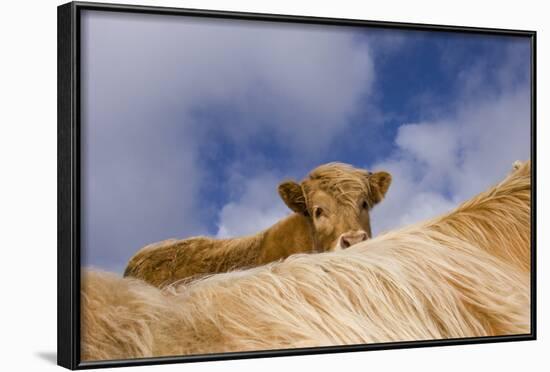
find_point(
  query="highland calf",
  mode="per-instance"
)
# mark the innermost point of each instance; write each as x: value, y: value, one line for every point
x: 331, y: 211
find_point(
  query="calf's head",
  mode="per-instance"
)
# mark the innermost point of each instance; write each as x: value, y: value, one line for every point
x: 336, y: 198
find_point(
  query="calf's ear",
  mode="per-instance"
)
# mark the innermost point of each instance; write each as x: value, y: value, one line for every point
x: 292, y: 194
x: 379, y: 184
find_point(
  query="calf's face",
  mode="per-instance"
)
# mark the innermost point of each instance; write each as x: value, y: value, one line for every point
x: 337, y: 199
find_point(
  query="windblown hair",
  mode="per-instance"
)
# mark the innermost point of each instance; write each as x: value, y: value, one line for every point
x: 486, y: 219
x: 444, y: 278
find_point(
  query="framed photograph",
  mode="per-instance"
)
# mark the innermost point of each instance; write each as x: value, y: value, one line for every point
x: 237, y: 185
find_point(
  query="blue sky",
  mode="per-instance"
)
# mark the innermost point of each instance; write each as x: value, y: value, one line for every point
x: 189, y: 124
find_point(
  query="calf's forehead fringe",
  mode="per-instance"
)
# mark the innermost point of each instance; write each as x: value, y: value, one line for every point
x: 342, y: 181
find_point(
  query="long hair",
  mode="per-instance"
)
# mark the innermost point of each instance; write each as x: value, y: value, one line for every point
x: 439, y: 279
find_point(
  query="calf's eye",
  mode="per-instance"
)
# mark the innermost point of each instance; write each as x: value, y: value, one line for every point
x: 318, y: 212
x: 365, y: 205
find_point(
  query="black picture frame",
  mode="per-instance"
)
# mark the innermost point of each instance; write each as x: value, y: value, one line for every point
x: 69, y: 207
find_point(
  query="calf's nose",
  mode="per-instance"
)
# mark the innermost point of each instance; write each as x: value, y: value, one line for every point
x: 352, y: 237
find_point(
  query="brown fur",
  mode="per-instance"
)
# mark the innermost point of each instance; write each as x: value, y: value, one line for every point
x: 338, y: 188
x: 439, y: 279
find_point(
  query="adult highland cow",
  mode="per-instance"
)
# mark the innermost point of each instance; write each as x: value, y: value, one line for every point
x: 465, y: 274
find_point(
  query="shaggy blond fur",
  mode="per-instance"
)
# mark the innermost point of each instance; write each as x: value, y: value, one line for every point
x: 440, y: 279
x: 342, y: 186
x: 487, y: 219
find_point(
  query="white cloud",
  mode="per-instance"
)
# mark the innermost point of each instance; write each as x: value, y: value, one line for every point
x: 145, y: 77
x: 306, y: 77
x: 257, y: 208
x: 437, y: 165
x: 434, y: 143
